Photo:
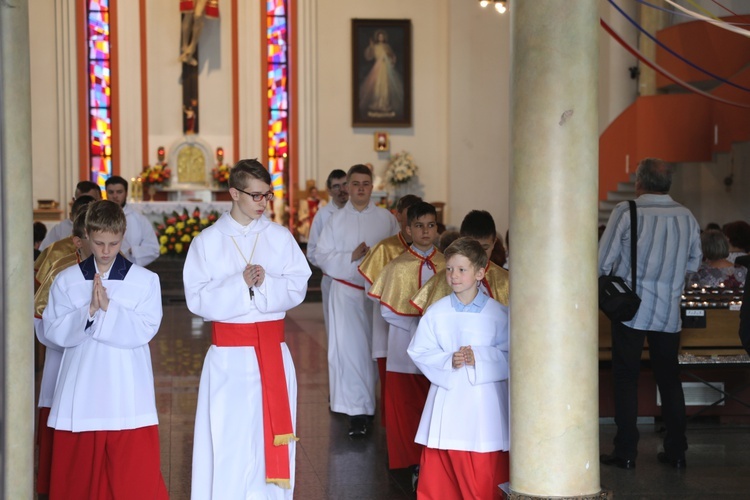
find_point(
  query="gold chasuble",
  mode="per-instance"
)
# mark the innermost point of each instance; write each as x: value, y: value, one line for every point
x: 496, y: 280
x: 380, y: 255
x: 401, y: 279
x: 41, y: 297
x: 49, y: 256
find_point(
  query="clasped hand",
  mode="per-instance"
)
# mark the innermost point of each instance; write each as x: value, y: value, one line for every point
x: 464, y: 356
x: 99, y: 299
x: 360, y: 251
x: 254, y: 275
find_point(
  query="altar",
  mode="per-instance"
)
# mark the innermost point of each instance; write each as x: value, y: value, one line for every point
x: 156, y: 210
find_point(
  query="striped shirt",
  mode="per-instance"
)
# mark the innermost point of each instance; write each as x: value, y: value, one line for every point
x: 668, y: 247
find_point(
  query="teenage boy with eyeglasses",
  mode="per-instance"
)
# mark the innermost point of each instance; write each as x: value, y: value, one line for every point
x: 243, y: 274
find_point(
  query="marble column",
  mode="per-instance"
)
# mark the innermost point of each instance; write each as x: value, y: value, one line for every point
x: 553, y: 235
x: 17, y: 357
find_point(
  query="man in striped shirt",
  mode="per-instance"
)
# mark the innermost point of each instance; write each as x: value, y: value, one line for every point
x: 668, y: 247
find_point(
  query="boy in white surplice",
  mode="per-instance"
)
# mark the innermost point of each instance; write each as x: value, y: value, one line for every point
x: 461, y: 345
x: 103, y: 312
x: 243, y: 274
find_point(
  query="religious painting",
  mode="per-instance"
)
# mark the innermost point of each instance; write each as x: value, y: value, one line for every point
x: 381, y: 72
x: 381, y: 141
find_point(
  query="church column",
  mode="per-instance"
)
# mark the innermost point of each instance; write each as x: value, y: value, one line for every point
x: 553, y: 225
x: 17, y: 358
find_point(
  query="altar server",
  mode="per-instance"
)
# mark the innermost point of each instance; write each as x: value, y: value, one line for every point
x: 396, y: 284
x: 345, y: 240
x: 140, y: 244
x: 376, y: 259
x: 337, y: 193
x: 65, y: 227
x: 60, y: 248
x: 461, y: 345
x: 480, y: 226
x: 104, y: 312
x: 53, y: 353
x: 243, y: 274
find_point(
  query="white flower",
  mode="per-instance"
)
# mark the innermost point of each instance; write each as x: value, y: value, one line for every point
x: 401, y: 168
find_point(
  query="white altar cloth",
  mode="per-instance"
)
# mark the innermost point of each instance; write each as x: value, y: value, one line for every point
x: 156, y: 210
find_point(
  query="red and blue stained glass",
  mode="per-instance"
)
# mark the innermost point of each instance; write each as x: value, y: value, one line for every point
x: 99, y: 91
x: 278, y: 92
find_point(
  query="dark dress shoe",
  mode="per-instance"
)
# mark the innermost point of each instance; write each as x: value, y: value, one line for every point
x: 677, y: 463
x: 622, y: 463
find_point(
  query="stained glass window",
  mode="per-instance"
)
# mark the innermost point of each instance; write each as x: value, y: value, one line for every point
x: 99, y: 91
x: 278, y: 92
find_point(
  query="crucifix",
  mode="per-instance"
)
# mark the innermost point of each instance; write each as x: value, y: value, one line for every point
x: 194, y: 13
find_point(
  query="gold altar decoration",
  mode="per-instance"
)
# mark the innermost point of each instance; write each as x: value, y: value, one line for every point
x: 191, y: 166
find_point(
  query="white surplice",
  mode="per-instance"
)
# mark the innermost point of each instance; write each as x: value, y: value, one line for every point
x: 467, y: 408
x: 319, y: 222
x: 228, y: 456
x: 351, y: 369
x: 105, y: 381
x: 140, y: 244
x: 61, y: 230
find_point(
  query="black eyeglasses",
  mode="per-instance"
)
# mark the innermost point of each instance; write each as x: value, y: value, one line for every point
x: 257, y: 196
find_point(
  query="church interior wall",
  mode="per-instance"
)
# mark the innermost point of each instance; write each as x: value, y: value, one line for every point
x: 461, y: 125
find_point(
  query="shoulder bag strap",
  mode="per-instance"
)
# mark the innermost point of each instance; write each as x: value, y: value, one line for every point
x: 633, y: 241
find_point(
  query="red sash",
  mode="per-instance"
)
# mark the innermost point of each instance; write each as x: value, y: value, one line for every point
x: 266, y: 337
x: 349, y: 284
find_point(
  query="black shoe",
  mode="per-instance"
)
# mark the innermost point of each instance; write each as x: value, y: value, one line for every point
x: 677, y: 463
x: 358, y: 426
x: 622, y: 463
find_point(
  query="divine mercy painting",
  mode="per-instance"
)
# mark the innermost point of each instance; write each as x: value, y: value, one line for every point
x: 381, y: 72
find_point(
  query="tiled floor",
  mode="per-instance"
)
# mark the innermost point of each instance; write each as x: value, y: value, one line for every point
x: 330, y: 465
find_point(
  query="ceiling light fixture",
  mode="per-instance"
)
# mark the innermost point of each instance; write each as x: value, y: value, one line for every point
x: 500, y: 5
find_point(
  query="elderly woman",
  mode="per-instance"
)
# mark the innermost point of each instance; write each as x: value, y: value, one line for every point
x: 716, y: 270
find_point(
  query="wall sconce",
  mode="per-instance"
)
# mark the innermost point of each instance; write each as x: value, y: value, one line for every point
x: 500, y: 5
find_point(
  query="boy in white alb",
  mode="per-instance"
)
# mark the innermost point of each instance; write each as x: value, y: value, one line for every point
x: 406, y: 386
x: 243, y: 274
x: 338, y: 195
x: 461, y: 345
x: 104, y: 312
x: 345, y: 240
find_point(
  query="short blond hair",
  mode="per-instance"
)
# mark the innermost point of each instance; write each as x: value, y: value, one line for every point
x: 105, y: 216
x: 469, y: 248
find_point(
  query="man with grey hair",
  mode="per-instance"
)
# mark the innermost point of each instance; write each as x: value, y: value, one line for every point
x: 668, y: 247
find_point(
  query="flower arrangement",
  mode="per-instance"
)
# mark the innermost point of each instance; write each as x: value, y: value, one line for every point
x: 178, y: 230
x: 220, y: 174
x: 401, y: 169
x: 158, y: 174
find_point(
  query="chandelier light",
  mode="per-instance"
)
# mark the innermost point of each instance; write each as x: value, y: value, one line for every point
x: 500, y: 5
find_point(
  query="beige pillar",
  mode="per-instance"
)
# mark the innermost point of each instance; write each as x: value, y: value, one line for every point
x: 553, y: 225
x: 17, y: 358
x: 652, y: 21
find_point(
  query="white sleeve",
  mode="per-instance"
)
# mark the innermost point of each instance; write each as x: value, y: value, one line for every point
x: 281, y: 292
x: 129, y: 328
x: 335, y: 262
x: 312, y: 241
x: 430, y: 358
x: 144, y: 247
x: 64, y: 324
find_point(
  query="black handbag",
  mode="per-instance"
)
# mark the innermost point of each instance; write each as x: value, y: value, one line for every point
x: 616, y: 299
